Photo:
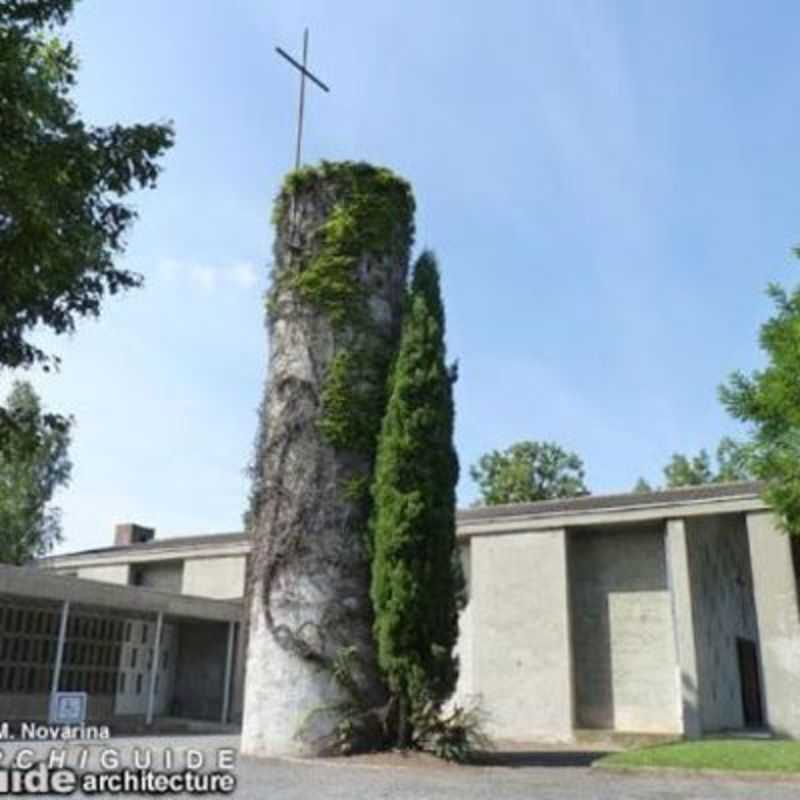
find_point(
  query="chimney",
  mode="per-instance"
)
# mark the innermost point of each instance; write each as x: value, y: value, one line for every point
x: 128, y: 533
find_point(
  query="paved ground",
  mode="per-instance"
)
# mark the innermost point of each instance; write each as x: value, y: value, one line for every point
x: 542, y: 775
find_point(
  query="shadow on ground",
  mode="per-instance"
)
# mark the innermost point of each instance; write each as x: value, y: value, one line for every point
x: 539, y: 758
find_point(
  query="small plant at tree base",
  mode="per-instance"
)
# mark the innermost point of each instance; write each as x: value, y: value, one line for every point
x: 361, y: 727
x: 454, y: 735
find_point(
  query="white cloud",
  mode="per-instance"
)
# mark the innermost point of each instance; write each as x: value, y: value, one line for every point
x: 244, y: 275
x: 207, y: 277
x: 204, y: 277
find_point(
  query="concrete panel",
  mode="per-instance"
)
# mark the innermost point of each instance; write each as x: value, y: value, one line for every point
x: 116, y: 573
x: 776, y: 594
x: 136, y: 661
x: 723, y: 610
x: 219, y: 578
x: 464, y: 689
x: 522, y: 662
x: 623, y: 641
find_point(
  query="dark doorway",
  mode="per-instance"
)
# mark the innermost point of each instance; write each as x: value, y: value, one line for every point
x: 751, y: 683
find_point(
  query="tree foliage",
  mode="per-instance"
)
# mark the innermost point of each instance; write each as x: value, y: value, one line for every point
x: 683, y: 471
x: 769, y: 401
x: 732, y: 464
x: 528, y: 471
x: 33, y: 464
x: 62, y: 185
x: 415, y: 574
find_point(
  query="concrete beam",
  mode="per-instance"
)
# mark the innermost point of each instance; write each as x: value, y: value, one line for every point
x: 40, y: 584
x: 617, y: 517
x: 778, y: 611
x: 680, y: 588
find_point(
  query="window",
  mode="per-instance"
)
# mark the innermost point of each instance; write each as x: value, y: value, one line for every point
x: 139, y: 683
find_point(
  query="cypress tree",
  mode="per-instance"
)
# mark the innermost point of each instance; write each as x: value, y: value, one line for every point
x: 415, y: 571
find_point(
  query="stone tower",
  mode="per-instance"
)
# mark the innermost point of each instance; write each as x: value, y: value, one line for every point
x: 343, y: 238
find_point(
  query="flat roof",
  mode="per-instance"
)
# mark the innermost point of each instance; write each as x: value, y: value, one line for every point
x: 34, y: 583
x: 584, y: 510
x: 590, y: 502
x: 596, y: 511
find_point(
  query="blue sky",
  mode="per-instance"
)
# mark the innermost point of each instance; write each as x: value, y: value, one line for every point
x: 609, y: 186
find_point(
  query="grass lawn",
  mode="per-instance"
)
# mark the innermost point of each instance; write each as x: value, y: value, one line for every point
x: 752, y: 755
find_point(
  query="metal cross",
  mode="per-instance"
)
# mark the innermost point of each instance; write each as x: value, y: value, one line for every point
x: 304, y: 73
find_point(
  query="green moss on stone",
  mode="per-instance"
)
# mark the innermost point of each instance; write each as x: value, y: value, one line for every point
x: 374, y: 206
x: 373, y: 214
x: 353, y: 399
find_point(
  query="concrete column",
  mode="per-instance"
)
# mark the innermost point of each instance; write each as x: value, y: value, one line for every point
x: 683, y: 623
x: 151, y: 692
x: 226, y: 686
x: 778, y: 610
x: 62, y: 637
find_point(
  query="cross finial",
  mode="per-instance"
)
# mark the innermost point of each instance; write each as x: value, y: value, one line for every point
x: 304, y: 73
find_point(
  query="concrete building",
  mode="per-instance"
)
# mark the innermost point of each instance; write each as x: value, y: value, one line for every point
x: 673, y: 612
x: 137, y: 653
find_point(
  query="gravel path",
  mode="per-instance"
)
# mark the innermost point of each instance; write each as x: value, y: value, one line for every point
x: 523, y: 776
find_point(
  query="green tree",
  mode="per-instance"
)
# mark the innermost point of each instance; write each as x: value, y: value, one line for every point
x: 528, y: 471
x: 33, y: 464
x: 642, y: 487
x: 683, y: 471
x: 733, y: 463
x: 415, y: 573
x: 62, y: 182
x: 769, y: 401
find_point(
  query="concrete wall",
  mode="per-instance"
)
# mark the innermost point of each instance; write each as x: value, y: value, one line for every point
x: 776, y: 594
x: 622, y: 635
x: 221, y: 578
x: 112, y: 573
x: 723, y: 609
x: 521, y: 662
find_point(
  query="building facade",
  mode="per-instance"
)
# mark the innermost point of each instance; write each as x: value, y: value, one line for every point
x: 672, y: 612
x: 137, y: 653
